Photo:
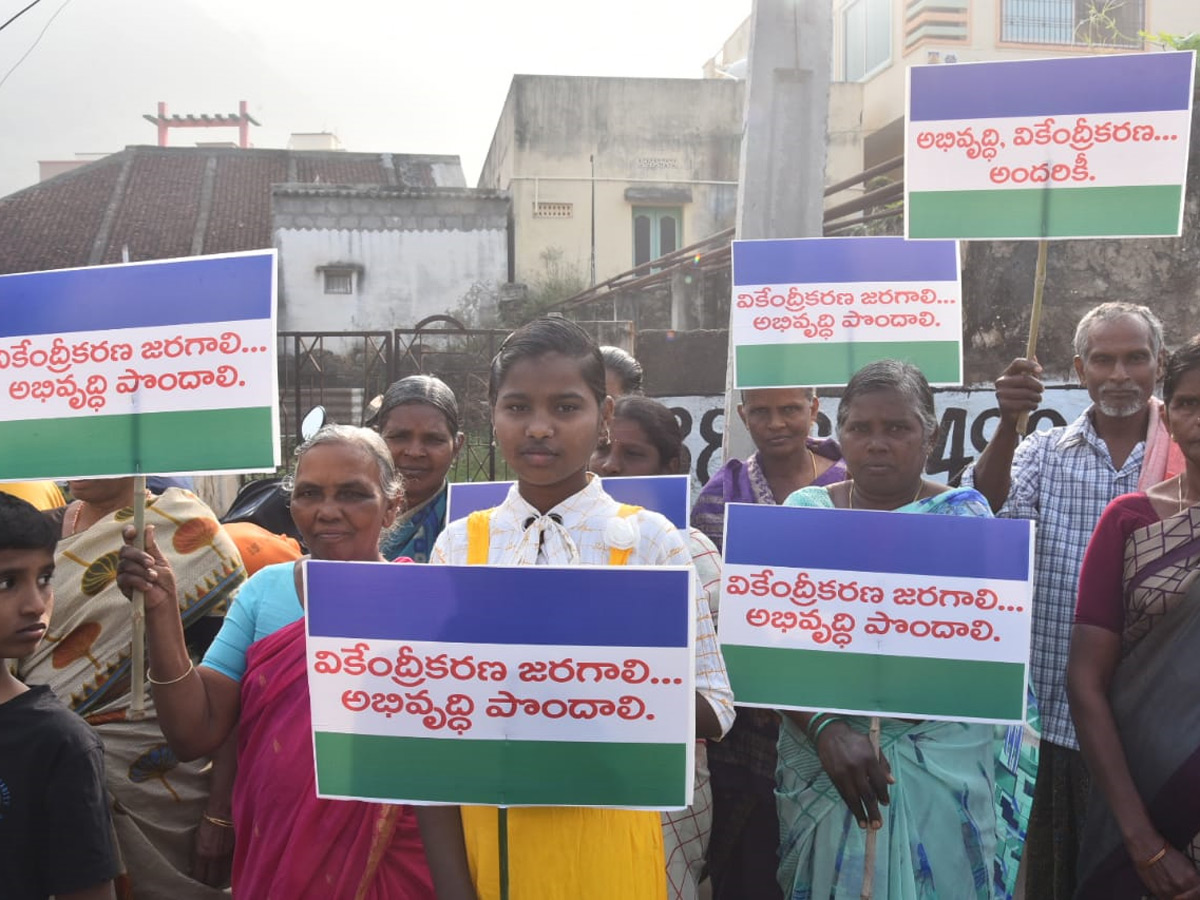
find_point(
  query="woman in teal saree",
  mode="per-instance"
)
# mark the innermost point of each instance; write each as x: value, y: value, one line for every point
x: 944, y: 798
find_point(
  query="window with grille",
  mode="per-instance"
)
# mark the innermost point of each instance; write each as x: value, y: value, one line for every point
x: 1103, y: 23
x: 547, y: 209
x: 339, y: 281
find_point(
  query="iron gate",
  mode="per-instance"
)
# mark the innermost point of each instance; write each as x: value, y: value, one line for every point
x: 344, y: 370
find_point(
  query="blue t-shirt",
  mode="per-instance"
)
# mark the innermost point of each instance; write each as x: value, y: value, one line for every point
x: 265, y: 603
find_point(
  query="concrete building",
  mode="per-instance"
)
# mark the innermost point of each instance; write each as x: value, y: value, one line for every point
x: 314, y: 140
x: 609, y: 173
x: 49, y: 168
x: 606, y: 174
x: 371, y: 258
x: 366, y: 240
x: 875, y: 41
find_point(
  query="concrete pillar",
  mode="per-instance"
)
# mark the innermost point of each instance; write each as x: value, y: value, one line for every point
x: 781, y: 181
x: 686, y: 299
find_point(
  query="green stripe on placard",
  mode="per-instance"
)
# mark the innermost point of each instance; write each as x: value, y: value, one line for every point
x: 1052, y: 213
x: 557, y: 773
x: 804, y: 365
x: 901, y: 685
x: 184, y: 441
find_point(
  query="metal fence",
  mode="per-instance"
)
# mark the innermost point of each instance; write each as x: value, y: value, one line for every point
x: 343, y: 371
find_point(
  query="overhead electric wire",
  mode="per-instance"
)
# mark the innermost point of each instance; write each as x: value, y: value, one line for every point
x: 21, y: 13
x: 36, y: 40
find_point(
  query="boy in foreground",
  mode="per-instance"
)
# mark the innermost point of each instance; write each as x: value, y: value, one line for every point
x: 56, y: 834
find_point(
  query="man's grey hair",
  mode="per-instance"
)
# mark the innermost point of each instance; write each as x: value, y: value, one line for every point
x: 1107, y: 312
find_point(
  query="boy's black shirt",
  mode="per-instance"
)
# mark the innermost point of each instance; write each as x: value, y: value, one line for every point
x: 55, y: 828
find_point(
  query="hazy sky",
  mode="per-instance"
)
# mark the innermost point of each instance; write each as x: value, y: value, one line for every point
x: 385, y: 75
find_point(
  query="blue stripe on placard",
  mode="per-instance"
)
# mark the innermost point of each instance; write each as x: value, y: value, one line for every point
x: 668, y: 495
x: 1080, y: 86
x: 466, y: 497
x: 843, y: 260
x: 868, y: 541
x: 595, y: 607
x: 174, y: 292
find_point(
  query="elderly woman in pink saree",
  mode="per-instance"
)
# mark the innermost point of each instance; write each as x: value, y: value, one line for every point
x: 290, y: 843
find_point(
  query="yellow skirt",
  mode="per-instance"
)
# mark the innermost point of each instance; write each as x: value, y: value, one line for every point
x: 568, y: 853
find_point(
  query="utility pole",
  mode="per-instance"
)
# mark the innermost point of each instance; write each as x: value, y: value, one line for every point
x: 781, y: 179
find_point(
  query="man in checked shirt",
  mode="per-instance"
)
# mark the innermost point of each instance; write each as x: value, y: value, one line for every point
x: 1062, y: 479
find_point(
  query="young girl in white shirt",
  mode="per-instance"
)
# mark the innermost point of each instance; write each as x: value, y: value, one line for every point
x: 549, y: 410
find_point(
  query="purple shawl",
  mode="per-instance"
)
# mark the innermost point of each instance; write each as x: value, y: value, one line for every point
x: 745, y: 482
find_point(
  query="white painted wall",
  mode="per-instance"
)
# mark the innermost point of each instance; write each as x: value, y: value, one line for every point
x: 407, y: 275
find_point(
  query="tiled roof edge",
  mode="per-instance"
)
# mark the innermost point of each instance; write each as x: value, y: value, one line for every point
x: 80, y: 172
x: 304, y: 189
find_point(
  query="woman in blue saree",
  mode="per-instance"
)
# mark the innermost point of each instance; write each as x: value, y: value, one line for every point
x: 418, y: 419
x: 944, y: 829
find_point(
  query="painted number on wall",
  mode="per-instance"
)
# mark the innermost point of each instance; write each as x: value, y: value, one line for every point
x: 967, y: 420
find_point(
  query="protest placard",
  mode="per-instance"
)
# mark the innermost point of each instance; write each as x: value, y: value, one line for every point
x: 1091, y: 146
x: 514, y: 686
x: 665, y: 494
x: 877, y: 613
x: 810, y: 312
x: 164, y: 367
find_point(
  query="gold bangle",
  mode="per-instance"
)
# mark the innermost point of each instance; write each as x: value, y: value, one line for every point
x: 220, y: 823
x: 1156, y: 858
x: 190, y: 668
